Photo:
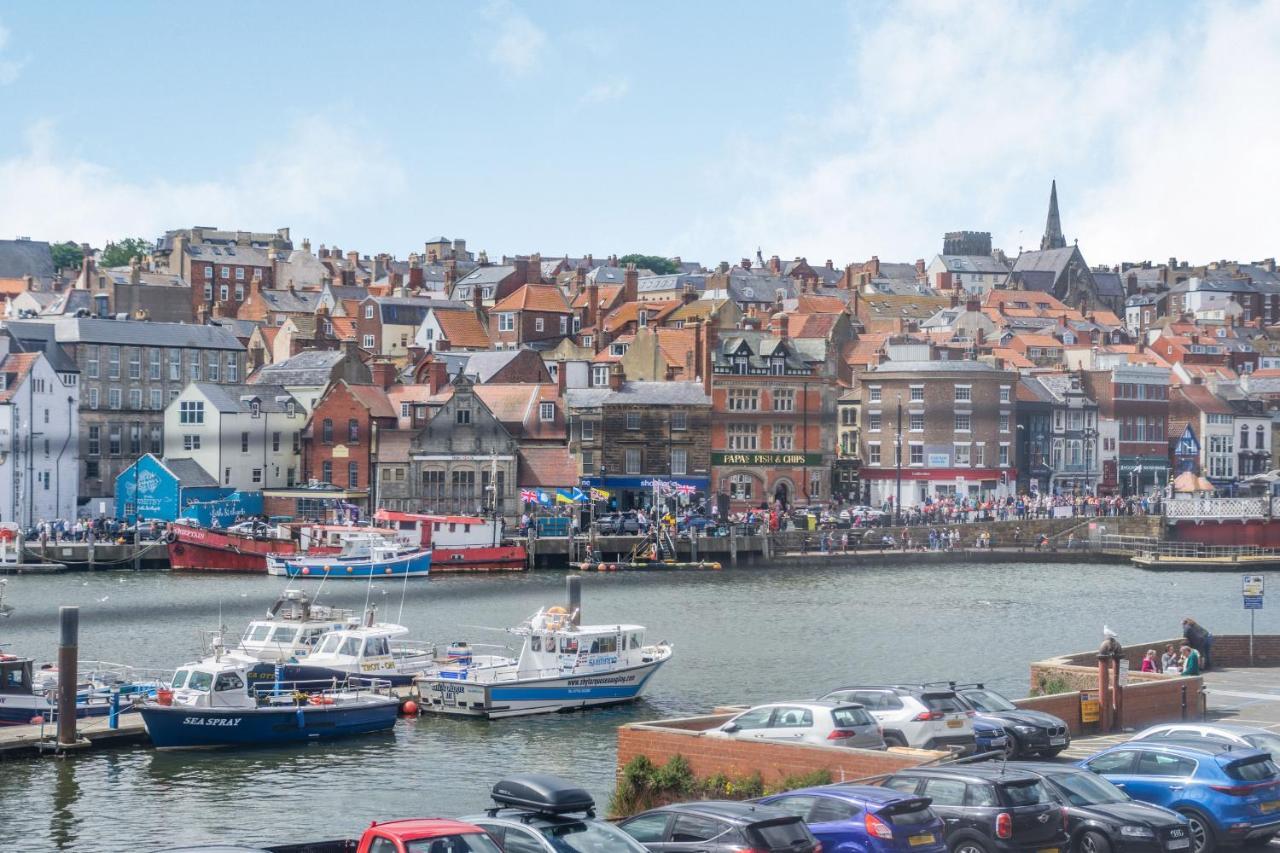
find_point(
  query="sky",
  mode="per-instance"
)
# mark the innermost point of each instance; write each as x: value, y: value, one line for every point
x: 705, y: 130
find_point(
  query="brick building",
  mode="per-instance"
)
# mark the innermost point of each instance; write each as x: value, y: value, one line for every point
x: 628, y: 434
x: 1133, y: 417
x: 953, y: 422
x: 535, y: 312
x: 340, y: 442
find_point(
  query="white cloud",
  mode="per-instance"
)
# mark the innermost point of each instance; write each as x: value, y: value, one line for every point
x: 516, y: 43
x: 958, y: 114
x: 613, y: 89
x: 9, y: 68
x: 319, y: 175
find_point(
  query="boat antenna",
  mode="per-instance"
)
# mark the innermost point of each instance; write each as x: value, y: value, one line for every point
x: 368, y: 590
x: 404, y: 590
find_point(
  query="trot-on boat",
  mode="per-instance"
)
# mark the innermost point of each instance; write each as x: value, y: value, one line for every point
x: 374, y: 649
x: 27, y: 693
x: 215, y: 702
x: 363, y: 555
x: 293, y: 627
x: 563, y: 666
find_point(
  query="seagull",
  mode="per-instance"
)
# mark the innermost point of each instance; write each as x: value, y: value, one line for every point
x: 1107, y: 632
x: 104, y: 598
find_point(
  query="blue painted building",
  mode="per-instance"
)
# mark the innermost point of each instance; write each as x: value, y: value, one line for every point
x: 154, y: 488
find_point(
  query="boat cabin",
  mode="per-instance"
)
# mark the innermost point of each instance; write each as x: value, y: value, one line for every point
x: 293, y: 627
x: 440, y: 531
x: 15, y: 675
x: 554, y: 642
x: 317, y: 539
x: 213, y: 683
x: 358, y: 650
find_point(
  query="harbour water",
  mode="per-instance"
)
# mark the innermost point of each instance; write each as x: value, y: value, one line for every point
x: 740, y: 637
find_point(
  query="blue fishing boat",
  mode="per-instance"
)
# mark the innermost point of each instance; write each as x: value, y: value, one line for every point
x: 218, y: 702
x: 29, y: 695
x: 363, y: 556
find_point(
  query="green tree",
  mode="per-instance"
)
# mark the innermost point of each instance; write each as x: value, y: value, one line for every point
x: 659, y: 265
x: 120, y: 254
x: 66, y: 255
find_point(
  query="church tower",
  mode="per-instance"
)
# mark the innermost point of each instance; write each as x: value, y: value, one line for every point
x: 1053, y: 238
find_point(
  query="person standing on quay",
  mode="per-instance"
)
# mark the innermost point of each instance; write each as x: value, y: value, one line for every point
x: 1198, y: 638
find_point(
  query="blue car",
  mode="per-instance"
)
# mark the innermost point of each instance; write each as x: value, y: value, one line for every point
x: 989, y: 735
x: 865, y: 819
x: 1229, y: 794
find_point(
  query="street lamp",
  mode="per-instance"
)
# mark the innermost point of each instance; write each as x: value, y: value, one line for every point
x: 897, y: 452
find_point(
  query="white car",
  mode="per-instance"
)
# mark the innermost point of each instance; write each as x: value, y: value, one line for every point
x: 826, y: 723
x: 918, y: 716
x: 1267, y: 741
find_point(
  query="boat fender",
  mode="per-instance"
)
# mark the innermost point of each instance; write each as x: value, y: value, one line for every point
x: 321, y: 700
x: 171, y: 537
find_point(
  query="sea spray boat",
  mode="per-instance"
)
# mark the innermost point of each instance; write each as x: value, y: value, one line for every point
x: 218, y: 702
x: 28, y: 693
x: 363, y: 556
x: 562, y: 666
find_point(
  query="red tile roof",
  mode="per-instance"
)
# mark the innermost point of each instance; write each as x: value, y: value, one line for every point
x: 374, y: 399
x: 535, y: 297
x: 546, y: 467
x: 517, y: 407
x: 16, y: 366
x: 462, y: 328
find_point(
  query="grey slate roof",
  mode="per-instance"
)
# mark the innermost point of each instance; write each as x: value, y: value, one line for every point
x: 676, y: 282
x: 484, y: 364
x: 39, y: 337
x: 637, y: 393
x: 138, y: 332
x: 1109, y: 284
x: 929, y: 366
x: 250, y: 256
x: 1052, y: 260
x: 237, y: 327
x: 189, y: 473
x: 401, y: 310
x: 291, y: 301
x: 487, y: 275
x: 973, y: 264
x: 236, y: 398
x: 308, y: 369
x: 20, y: 258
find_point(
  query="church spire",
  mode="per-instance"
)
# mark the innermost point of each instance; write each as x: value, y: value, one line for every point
x: 1053, y: 238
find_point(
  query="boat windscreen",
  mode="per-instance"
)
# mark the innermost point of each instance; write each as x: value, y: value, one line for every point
x: 284, y: 635
x: 200, y: 681
x: 179, y: 679
x: 258, y: 633
x: 330, y: 645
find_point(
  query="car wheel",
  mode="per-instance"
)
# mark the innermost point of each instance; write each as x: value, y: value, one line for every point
x: 1093, y: 842
x: 1012, y: 749
x: 968, y: 845
x: 1202, y: 837
x: 894, y: 739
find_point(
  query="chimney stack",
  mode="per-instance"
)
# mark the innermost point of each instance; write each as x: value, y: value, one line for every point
x: 450, y: 275
x: 384, y: 373
x: 437, y: 376
x: 775, y: 265
x: 710, y: 337
x: 535, y: 269
x: 630, y: 284
x: 416, y: 278
x: 593, y: 304
x: 562, y: 378
x: 781, y: 326
x: 615, y: 377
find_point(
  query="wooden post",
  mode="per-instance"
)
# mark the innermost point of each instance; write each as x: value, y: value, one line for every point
x: 1118, y: 695
x: 1104, y: 693
x: 68, y: 656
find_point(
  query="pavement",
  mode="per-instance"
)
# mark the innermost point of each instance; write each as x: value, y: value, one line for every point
x: 1247, y: 696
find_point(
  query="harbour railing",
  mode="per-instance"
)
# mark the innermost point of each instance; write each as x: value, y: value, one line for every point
x: 1218, y: 509
x: 1134, y: 545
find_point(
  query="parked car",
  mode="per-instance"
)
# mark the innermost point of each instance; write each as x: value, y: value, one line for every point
x: 827, y: 723
x: 411, y: 835
x: 865, y: 819
x: 1102, y: 818
x: 539, y: 813
x: 720, y: 826
x: 864, y: 515
x: 1267, y: 741
x: 989, y: 735
x: 625, y: 524
x: 1030, y: 732
x: 1227, y: 793
x: 915, y: 715
x: 989, y: 808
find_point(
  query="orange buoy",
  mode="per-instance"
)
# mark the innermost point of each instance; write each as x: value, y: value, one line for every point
x: 409, y: 708
x: 306, y: 571
x: 37, y: 720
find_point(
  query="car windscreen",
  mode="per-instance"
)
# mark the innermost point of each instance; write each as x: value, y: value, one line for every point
x: 1025, y: 793
x: 988, y: 701
x: 908, y: 813
x: 584, y: 837
x: 783, y: 834
x: 1257, y: 769
x: 946, y: 703
x: 848, y: 718
x: 1085, y: 789
x: 472, y: 842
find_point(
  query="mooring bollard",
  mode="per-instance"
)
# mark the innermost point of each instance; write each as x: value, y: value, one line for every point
x: 113, y: 717
x: 68, y: 656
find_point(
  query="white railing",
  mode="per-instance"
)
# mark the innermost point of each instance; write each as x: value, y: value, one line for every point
x: 1216, y: 509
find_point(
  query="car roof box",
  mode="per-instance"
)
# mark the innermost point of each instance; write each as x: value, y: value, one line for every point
x: 542, y: 792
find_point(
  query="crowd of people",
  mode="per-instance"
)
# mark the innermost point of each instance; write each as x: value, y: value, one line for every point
x: 89, y: 530
x: 952, y: 510
x: 1190, y: 658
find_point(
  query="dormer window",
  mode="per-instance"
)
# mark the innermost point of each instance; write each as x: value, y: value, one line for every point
x: 290, y: 409
x: 642, y: 319
x: 255, y: 408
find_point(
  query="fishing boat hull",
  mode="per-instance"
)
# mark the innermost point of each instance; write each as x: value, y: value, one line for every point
x: 303, y: 673
x: 479, y: 558
x: 416, y: 564
x: 443, y: 694
x: 178, y: 727
x: 195, y: 549
x: 20, y: 710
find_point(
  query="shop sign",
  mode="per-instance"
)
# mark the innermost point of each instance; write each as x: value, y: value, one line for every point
x: 775, y: 459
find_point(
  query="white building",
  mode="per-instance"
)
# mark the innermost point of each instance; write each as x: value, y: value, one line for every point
x: 975, y: 274
x: 39, y: 438
x: 245, y: 436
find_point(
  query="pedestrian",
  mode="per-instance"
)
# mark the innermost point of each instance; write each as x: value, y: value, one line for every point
x: 844, y: 542
x: 1169, y: 660
x: 1198, y: 638
x: 1191, y: 661
x: 1149, y: 662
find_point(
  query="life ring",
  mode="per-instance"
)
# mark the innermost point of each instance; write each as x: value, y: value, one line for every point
x: 171, y: 537
x: 321, y: 700
x: 7, y: 535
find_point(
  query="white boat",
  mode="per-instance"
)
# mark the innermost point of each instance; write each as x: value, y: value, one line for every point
x: 562, y: 666
x: 5, y: 609
x: 30, y: 695
x: 293, y: 627
x: 373, y: 650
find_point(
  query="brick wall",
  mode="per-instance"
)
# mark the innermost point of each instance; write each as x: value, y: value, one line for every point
x: 1145, y: 703
x: 738, y: 758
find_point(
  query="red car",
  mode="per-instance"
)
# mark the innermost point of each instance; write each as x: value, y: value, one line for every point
x: 411, y: 835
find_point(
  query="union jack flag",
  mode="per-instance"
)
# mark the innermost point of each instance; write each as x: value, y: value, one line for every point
x: 685, y: 488
x: 529, y: 496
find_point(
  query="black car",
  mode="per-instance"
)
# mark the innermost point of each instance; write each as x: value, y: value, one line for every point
x: 1030, y: 732
x: 1103, y: 819
x: 989, y: 808
x: 720, y: 826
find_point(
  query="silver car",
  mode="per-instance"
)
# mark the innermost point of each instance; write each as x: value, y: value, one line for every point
x: 826, y: 723
x: 1263, y: 739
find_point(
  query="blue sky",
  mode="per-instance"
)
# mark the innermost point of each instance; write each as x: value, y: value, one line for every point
x: 701, y: 129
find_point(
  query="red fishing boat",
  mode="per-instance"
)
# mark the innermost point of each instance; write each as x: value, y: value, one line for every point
x: 459, y: 543
x: 242, y: 548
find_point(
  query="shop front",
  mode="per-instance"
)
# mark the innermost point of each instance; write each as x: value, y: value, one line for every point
x: 637, y: 492
x: 919, y: 485
x: 1141, y: 475
x: 754, y: 480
